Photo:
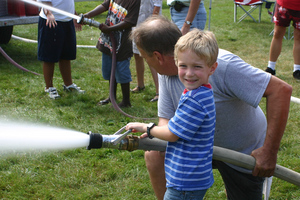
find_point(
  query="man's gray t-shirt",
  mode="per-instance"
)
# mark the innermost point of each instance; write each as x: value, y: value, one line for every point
x: 238, y: 88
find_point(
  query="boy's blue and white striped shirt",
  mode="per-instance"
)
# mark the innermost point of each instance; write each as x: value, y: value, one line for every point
x: 188, y: 161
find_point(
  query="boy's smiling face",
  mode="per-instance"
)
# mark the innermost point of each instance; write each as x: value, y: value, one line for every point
x: 193, y: 70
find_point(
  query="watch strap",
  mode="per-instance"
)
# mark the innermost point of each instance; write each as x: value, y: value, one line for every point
x: 149, y: 127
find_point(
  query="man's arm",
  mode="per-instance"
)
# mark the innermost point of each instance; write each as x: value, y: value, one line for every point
x: 278, y: 94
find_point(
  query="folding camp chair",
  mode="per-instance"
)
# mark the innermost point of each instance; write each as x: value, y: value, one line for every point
x: 243, y: 3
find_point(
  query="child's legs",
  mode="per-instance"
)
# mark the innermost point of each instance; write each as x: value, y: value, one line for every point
x: 65, y: 70
x: 48, y: 71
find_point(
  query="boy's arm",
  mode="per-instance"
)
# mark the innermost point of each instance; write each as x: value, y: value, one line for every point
x: 120, y: 26
x: 160, y: 132
x: 163, y: 133
x: 96, y: 11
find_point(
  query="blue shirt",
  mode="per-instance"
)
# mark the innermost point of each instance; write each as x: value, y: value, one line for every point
x: 188, y: 161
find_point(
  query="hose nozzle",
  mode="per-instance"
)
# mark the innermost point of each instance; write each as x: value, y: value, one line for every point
x: 90, y: 22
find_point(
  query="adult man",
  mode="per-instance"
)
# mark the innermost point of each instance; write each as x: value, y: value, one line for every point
x: 241, y: 124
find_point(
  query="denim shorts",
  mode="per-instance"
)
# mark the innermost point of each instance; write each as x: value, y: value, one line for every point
x: 179, y: 17
x: 58, y: 43
x: 172, y: 194
x: 122, y: 73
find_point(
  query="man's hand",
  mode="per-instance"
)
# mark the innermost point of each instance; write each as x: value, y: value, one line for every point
x: 265, y: 162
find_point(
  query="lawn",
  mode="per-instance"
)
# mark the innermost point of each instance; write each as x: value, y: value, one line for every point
x: 109, y: 173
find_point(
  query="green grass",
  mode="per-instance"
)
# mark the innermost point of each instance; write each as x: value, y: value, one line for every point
x: 108, y: 173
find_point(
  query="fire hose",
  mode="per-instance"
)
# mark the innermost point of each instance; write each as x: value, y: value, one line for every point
x: 131, y: 143
x: 14, y: 63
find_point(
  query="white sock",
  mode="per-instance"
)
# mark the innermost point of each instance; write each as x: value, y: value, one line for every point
x: 296, y: 67
x: 272, y: 64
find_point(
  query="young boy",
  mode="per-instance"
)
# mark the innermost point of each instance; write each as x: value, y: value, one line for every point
x: 121, y: 17
x: 190, y: 133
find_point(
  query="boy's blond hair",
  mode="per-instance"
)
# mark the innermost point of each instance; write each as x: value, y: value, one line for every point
x: 203, y: 43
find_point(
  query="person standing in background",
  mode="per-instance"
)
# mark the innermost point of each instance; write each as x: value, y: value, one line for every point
x: 285, y: 12
x: 121, y: 17
x: 147, y: 8
x: 57, y: 43
x: 187, y: 14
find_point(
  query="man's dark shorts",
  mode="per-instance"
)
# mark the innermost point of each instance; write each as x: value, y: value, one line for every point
x: 56, y: 43
x: 239, y: 186
x: 284, y: 16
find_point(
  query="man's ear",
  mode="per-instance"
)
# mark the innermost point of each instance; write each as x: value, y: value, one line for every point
x: 159, y: 57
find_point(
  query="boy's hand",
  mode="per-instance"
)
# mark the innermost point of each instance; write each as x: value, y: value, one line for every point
x: 137, y: 127
x: 104, y: 28
x: 78, y: 27
x: 144, y: 135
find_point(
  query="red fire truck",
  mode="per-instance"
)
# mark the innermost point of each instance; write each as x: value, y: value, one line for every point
x: 15, y: 12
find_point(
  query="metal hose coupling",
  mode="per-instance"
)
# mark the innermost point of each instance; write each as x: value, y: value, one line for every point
x: 125, y: 142
x: 97, y: 141
x: 87, y: 21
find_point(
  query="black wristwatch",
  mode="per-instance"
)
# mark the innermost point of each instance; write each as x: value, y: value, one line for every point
x: 149, y: 127
x: 188, y: 23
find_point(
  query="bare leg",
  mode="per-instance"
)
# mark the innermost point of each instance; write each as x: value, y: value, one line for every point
x: 155, y: 78
x: 140, y: 69
x: 296, y: 49
x: 48, y: 71
x: 276, y: 43
x: 155, y: 165
x: 65, y: 70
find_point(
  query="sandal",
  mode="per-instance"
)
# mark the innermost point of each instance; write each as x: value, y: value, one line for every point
x: 103, y: 102
x: 155, y: 98
x: 137, y: 89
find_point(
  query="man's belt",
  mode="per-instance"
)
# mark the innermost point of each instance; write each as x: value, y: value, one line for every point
x: 178, y: 6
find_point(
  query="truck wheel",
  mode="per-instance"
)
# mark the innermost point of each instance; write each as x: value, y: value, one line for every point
x: 5, y: 34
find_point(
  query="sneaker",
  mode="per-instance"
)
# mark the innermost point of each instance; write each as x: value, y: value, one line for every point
x: 271, y: 71
x: 73, y: 88
x: 296, y: 74
x: 52, y: 93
